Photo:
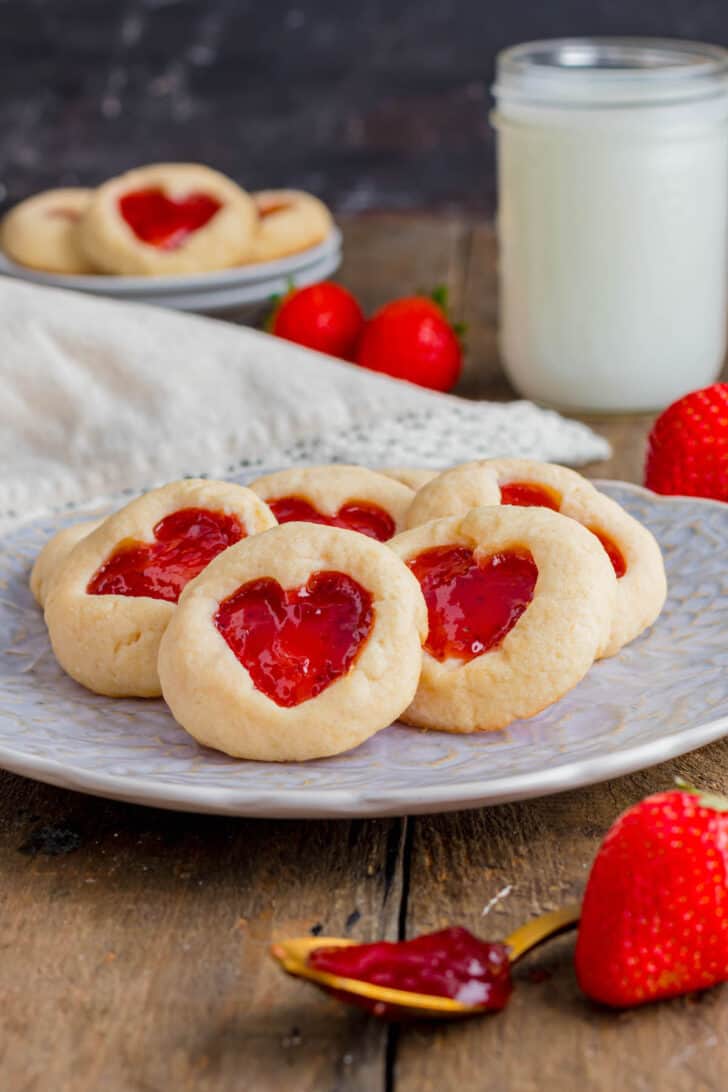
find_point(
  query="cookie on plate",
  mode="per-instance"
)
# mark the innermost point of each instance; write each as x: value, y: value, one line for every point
x: 412, y: 476
x: 522, y: 482
x: 520, y: 601
x: 51, y: 558
x: 341, y: 496
x: 109, y: 605
x: 40, y: 232
x: 632, y: 549
x: 167, y: 219
x: 637, y: 560
x: 297, y: 644
x: 288, y: 221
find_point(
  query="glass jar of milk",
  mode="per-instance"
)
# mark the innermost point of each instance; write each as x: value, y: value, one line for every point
x: 612, y: 219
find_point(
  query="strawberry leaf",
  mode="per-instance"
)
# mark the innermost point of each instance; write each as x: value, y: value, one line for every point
x: 439, y: 295
x: 714, y: 801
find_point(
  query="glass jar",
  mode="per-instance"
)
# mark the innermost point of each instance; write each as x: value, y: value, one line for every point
x: 612, y: 219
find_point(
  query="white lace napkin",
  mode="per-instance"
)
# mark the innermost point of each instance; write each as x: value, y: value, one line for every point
x: 100, y: 397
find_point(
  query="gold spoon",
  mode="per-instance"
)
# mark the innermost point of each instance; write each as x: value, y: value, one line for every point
x: 293, y: 955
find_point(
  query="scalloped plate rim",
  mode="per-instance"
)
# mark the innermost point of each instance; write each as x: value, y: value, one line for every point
x: 348, y: 803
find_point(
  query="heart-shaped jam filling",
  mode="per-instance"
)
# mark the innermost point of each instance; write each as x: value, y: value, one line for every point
x: 472, y: 604
x: 368, y: 519
x: 529, y: 494
x: 165, y: 222
x: 185, y: 542
x: 613, y: 552
x: 295, y: 642
x: 526, y: 494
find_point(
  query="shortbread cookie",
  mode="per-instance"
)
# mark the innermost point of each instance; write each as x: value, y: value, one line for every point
x: 288, y: 221
x: 51, y: 558
x: 296, y: 644
x: 341, y: 496
x: 41, y: 231
x: 633, y: 550
x: 117, y: 590
x: 522, y: 482
x: 519, y: 602
x: 637, y: 561
x: 170, y: 218
x: 412, y: 476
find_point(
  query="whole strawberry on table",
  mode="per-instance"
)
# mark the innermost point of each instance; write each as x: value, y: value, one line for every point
x: 687, y: 449
x: 654, y: 920
x: 411, y: 338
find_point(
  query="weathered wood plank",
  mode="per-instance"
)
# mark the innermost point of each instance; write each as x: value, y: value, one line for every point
x: 136, y: 956
x: 482, y: 371
x: 390, y: 255
x: 537, y: 855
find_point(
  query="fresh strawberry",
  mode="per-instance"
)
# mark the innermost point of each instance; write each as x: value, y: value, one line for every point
x: 654, y: 920
x: 413, y: 339
x: 687, y: 450
x: 323, y: 316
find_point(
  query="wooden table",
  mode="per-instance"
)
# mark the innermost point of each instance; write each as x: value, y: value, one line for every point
x: 133, y: 942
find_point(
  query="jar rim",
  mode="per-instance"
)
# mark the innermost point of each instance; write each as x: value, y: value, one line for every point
x: 608, y: 71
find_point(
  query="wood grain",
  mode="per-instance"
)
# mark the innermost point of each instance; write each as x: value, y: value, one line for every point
x: 537, y: 855
x: 134, y: 946
x: 134, y: 942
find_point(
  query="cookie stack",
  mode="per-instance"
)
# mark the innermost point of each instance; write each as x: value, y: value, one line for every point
x: 162, y: 220
x: 295, y: 618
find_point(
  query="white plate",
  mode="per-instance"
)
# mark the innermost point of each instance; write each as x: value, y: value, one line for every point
x: 664, y: 695
x: 245, y: 298
x: 228, y: 288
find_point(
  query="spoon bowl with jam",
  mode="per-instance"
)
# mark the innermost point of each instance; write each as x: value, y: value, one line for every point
x: 443, y: 975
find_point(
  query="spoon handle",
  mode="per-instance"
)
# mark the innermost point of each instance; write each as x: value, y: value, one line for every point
x: 534, y: 932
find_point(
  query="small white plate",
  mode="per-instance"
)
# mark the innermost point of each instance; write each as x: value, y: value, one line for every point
x: 245, y: 299
x: 664, y: 695
x: 229, y: 288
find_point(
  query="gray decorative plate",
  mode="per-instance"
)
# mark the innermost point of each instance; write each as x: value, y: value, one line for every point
x: 664, y: 695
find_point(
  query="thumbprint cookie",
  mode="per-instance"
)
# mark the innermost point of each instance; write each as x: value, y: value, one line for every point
x: 167, y: 219
x: 41, y: 232
x: 351, y: 497
x: 296, y: 644
x: 413, y: 476
x: 519, y: 602
x: 49, y: 561
x: 632, y: 549
x: 108, y: 607
x: 288, y: 221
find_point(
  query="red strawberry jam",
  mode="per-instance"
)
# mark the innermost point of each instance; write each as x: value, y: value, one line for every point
x: 368, y: 519
x: 613, y: 552
x: 184, y: 543
x: 296, y: 642
x: 274, y: 206
x: 450, y: 963
x: 165, y: 222
x: 528, y: 494
x: 472, y: 605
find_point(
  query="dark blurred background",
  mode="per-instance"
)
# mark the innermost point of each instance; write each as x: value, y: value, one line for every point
x: 371, y: 104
